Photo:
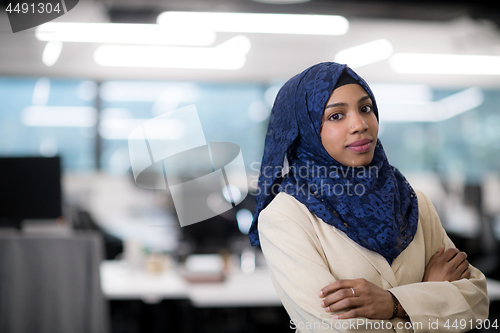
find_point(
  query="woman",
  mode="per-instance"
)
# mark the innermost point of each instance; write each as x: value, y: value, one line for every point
x: 350, y: 245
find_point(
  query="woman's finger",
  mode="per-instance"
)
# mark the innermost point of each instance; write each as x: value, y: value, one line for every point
x: 438, y: 253
x: 459, y: 258
x: 336, y: 296
x: 450, y: 253
x: 464, y: 265
x: 354, y: 313
x: 466, y: 274
x: 337, y: 285
x: 345, y: 303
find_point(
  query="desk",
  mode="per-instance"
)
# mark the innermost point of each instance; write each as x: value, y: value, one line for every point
x: 493, y: 289
x: 238, y: 290
x: 120, y: 281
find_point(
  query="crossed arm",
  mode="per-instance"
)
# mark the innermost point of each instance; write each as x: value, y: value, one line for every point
x: 360, y: 298
x: 450, y: 288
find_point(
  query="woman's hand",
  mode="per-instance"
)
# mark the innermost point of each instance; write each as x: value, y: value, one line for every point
x: 449, y: 265
x: 368, y: 300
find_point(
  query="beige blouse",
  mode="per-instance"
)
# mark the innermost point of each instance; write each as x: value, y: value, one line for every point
x: 305, y: 254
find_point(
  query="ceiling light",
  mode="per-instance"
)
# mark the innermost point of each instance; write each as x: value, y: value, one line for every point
x: 133, y: 91
x: 446, y: 108
x: 228, y: 55
x: 231, y: 193
x: 258, y: 111
x: 460, y: 102
x: 51, y: 53
x: 397, y: 93
x: 365, y: 54
x: 59, y: 116
x: 416, y: 63
x: 122, y: 33
x: 244, y: 218
x: 41, y: 92
x: 120, y: 129
x: 257, y: 23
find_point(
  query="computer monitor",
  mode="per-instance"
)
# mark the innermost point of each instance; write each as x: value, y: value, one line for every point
x: 219, y: 232
x: 30, y: 188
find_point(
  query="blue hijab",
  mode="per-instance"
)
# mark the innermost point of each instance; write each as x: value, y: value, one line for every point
x: 373, y: 205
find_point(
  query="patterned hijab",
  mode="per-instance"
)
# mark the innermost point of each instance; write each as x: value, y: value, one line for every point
x: 373, y: 205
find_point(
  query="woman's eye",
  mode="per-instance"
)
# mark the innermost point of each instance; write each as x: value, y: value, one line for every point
x: 366, y: 108
x: 336, y: 116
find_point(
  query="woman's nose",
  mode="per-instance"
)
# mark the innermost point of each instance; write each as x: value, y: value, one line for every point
x: 358, y: 123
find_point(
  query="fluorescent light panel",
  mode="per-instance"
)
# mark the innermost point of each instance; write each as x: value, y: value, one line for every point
x: 365, y: 54
x: 416, y: 63
x: 444, y: 109
x: 117, y: 124
x: 120, y: 129
x: 59, y: 116
x: 122, y: 33
x: 131, y: 91
x: 460, y: 102
x: 244, y: 218
x: 147, y: 91
x: 51, y: 53
x: 257, y: 23
x: 395, y: 93
x: 228, y: 55
x: 41, y: 92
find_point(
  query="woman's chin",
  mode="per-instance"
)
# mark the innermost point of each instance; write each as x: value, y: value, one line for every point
x: 358, y: 161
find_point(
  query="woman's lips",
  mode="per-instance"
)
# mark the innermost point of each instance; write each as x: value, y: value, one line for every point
x: 360, y: 146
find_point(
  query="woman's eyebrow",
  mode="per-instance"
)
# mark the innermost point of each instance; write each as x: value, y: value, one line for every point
x: 335, y: 105
x: 364, y: 98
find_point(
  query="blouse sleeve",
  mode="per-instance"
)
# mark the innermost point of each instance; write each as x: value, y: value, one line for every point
x: 299, y: 270
x: 456, y: 306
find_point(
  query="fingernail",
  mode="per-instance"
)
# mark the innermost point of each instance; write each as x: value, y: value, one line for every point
x: 320, y: 294
x: 327, y: 309
x: 335, y: 317
x: 322, y: 304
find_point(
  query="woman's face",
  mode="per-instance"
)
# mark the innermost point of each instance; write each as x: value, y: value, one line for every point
x: 350, y: 128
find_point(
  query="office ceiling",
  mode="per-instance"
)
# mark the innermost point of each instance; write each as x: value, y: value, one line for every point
x: 443, y: 27
x: 439, y: 10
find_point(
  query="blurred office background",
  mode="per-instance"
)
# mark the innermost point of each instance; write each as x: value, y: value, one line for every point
x: 76, y: 87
